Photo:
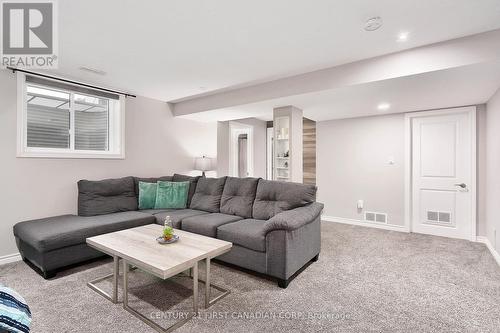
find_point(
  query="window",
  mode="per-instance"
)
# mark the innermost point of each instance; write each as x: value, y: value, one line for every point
x: 62, y: 120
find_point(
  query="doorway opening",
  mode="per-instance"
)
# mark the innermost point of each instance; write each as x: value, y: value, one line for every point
x: 240, y: 150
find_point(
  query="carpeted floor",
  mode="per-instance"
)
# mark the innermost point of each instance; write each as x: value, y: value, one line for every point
x: 366, y: 280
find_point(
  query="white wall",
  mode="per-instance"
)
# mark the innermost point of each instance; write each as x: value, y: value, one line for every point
x: 156, y: 144
x: 352, y: 164
x: 259, y: 146
x: 492, y: 224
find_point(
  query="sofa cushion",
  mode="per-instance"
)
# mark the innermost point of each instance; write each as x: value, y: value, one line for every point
x: 106, y: 196
x: 274, y: 197
x: 60, y: 231
x: 238, y: 196
x: 207, y: 224
x: 208, y: 194
x: 193, y: 181
x: 176, y: 215
x: 149, y: 180
x: 248, y: 233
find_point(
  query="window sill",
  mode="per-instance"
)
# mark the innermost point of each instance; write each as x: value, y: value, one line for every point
x: 71, y: 155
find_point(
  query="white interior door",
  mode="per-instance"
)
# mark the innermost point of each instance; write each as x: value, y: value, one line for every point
x: 443, y: 173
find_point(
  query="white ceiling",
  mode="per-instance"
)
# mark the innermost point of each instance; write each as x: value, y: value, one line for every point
x: 468, y: 85
x: 169, y: 49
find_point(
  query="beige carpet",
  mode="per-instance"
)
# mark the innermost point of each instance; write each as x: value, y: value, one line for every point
x: 366, y: 280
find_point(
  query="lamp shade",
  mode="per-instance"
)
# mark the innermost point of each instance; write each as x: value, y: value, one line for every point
x: 203, y: 163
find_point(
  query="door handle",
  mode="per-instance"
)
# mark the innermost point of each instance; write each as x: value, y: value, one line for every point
x: 462, y: 185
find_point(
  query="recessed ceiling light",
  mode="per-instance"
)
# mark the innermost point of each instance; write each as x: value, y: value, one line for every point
x: 92, y: 70
x: 373, y: 23
x: 403, y: 36
x: 383, y: 106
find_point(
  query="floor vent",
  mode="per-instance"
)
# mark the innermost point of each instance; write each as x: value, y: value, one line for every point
x: 439, y: 217
x: 376, y: 217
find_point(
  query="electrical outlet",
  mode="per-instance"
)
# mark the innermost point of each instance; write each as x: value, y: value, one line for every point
x: 360, y: 204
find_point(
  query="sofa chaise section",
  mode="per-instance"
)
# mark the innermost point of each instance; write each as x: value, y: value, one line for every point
x: 59, y: 241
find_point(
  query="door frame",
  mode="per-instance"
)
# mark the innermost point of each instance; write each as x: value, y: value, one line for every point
x: 269, y: 153
x: 472, y: 112
x: 235, y: 129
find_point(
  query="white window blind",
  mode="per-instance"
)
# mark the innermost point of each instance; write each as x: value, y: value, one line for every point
x: 91, y: 123
x: 48, y: 118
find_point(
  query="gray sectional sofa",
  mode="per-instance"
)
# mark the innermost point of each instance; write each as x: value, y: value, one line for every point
x: 274, y: 226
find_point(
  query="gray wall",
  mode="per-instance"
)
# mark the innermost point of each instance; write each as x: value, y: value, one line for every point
x: 156, y: 144
x: 259, y: 146
x: 352, y: 156
x: 493, y: 171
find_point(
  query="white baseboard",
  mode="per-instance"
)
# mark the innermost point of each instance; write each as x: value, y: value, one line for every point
x: 7, y: 259
x: 486, y: 241
x: 392, y: 227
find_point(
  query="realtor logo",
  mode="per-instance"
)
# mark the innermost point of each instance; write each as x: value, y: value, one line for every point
x: 29, y: 34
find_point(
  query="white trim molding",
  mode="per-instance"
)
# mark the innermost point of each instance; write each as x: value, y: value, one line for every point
x: 363, y: 223
x: 9, y: 258
x: 486, y: 241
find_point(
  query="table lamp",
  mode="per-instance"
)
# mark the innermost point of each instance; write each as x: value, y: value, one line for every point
x: 203, y: 164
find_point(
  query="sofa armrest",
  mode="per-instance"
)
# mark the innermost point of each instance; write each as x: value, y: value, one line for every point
x: 294, y: 218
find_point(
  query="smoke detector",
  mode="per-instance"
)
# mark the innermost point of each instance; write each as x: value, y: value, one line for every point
x: 373, y: 23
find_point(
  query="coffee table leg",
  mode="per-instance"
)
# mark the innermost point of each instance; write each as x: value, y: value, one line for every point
x: 148, y: 321
x: 116, y: 272
x: 207, y: 284
x: 195, y: 288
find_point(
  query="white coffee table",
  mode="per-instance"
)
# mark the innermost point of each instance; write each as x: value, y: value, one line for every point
x: 138, y: 247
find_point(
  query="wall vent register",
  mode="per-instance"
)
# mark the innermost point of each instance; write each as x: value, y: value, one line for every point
x: 376, y: 217
x: 439, y: 217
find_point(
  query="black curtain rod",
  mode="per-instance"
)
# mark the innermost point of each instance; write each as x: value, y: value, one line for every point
x: 69, y: 81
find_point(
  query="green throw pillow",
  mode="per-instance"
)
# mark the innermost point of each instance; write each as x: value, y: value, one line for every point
x: 147, y: 195
x: 171, y: 195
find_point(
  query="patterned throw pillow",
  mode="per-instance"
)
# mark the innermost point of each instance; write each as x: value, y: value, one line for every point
x: 171, y: 195
x: 15, y: 315
x: 147, y: 195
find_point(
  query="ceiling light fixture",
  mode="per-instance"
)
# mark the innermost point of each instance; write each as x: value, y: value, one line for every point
x: 383, y: 106
x: 373, y: 23
x: 403, y: 36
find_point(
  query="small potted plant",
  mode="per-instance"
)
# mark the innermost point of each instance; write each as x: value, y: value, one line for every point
x: 168, y: 231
